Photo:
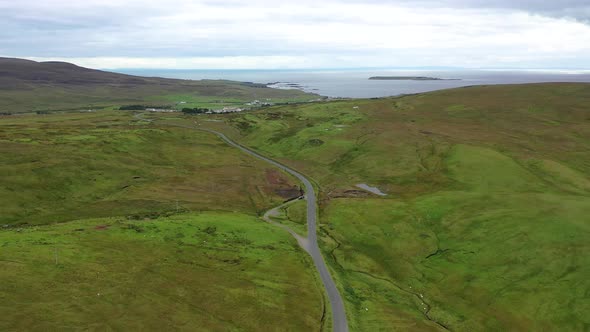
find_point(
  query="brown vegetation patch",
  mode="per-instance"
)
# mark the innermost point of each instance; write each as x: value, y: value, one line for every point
x: 281, y: 185
x: 352, y: 193
x: 274, y: 177
x: 289, y: 193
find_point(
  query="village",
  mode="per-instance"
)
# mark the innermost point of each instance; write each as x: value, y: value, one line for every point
x: 225, y: 109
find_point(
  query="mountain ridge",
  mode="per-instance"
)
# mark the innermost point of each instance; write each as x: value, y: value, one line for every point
x: 27, y: 85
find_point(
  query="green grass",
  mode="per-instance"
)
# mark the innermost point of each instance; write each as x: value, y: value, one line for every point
x: 483, y: 169
x: 294, y: 215
x: 66, y: 167
x: 116, y: 222
x: 493, y: 255
x: 486, y: 219
x: 208, y: 272
x: 395, y: 142
x: 484, y: 227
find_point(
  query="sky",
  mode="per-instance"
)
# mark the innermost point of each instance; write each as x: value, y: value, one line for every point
x: 264, y: 34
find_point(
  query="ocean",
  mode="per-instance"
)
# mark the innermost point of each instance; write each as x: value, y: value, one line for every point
x: 356, y: 83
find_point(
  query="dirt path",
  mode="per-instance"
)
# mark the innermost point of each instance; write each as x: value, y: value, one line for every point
x: 303, y: 241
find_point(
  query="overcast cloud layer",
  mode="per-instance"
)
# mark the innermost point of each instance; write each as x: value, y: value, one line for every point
x: 299, y: 34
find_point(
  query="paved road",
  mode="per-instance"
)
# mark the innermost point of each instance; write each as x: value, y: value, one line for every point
x: 336, y: 303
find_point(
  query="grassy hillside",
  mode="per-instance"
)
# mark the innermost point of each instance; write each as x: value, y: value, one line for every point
x: 114, y: 222
x: 64, y: 167
x: 206, y: 272
x: 486, y: 220
x: 118, y: 221
x: 27, y: 86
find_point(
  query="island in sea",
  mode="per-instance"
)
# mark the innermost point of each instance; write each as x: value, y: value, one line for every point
x: 411, y: 78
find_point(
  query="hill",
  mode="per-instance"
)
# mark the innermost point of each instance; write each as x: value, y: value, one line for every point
x: 486, y: 218
x: 484, y: 225
x: 27, y: 86
x: 20, y: 71
x: 114, y: 222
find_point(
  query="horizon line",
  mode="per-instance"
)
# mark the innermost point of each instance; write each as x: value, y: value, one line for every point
x: 354, y: 68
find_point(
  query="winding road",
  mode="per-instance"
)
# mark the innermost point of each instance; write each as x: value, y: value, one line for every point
x: 309, y: 244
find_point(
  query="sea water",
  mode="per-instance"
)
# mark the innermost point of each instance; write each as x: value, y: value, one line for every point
x: 356, y: 84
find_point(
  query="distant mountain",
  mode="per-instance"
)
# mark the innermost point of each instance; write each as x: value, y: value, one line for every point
x: 25, y: 71
x: 27, y: 85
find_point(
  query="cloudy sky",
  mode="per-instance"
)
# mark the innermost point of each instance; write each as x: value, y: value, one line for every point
x: 299, y: 34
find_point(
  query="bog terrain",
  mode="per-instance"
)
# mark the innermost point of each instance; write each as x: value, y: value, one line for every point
x: 479, y: 217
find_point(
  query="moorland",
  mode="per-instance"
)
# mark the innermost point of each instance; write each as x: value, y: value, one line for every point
x: 124, y: 219
x: 485, y: 221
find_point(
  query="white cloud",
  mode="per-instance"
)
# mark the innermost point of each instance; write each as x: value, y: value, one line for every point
x: 221, y: 62
x: 302, y: 34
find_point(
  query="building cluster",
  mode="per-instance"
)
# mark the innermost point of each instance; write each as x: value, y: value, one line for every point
x: 160, y: 110
x: 260, y: 103
x: 225, y: 110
